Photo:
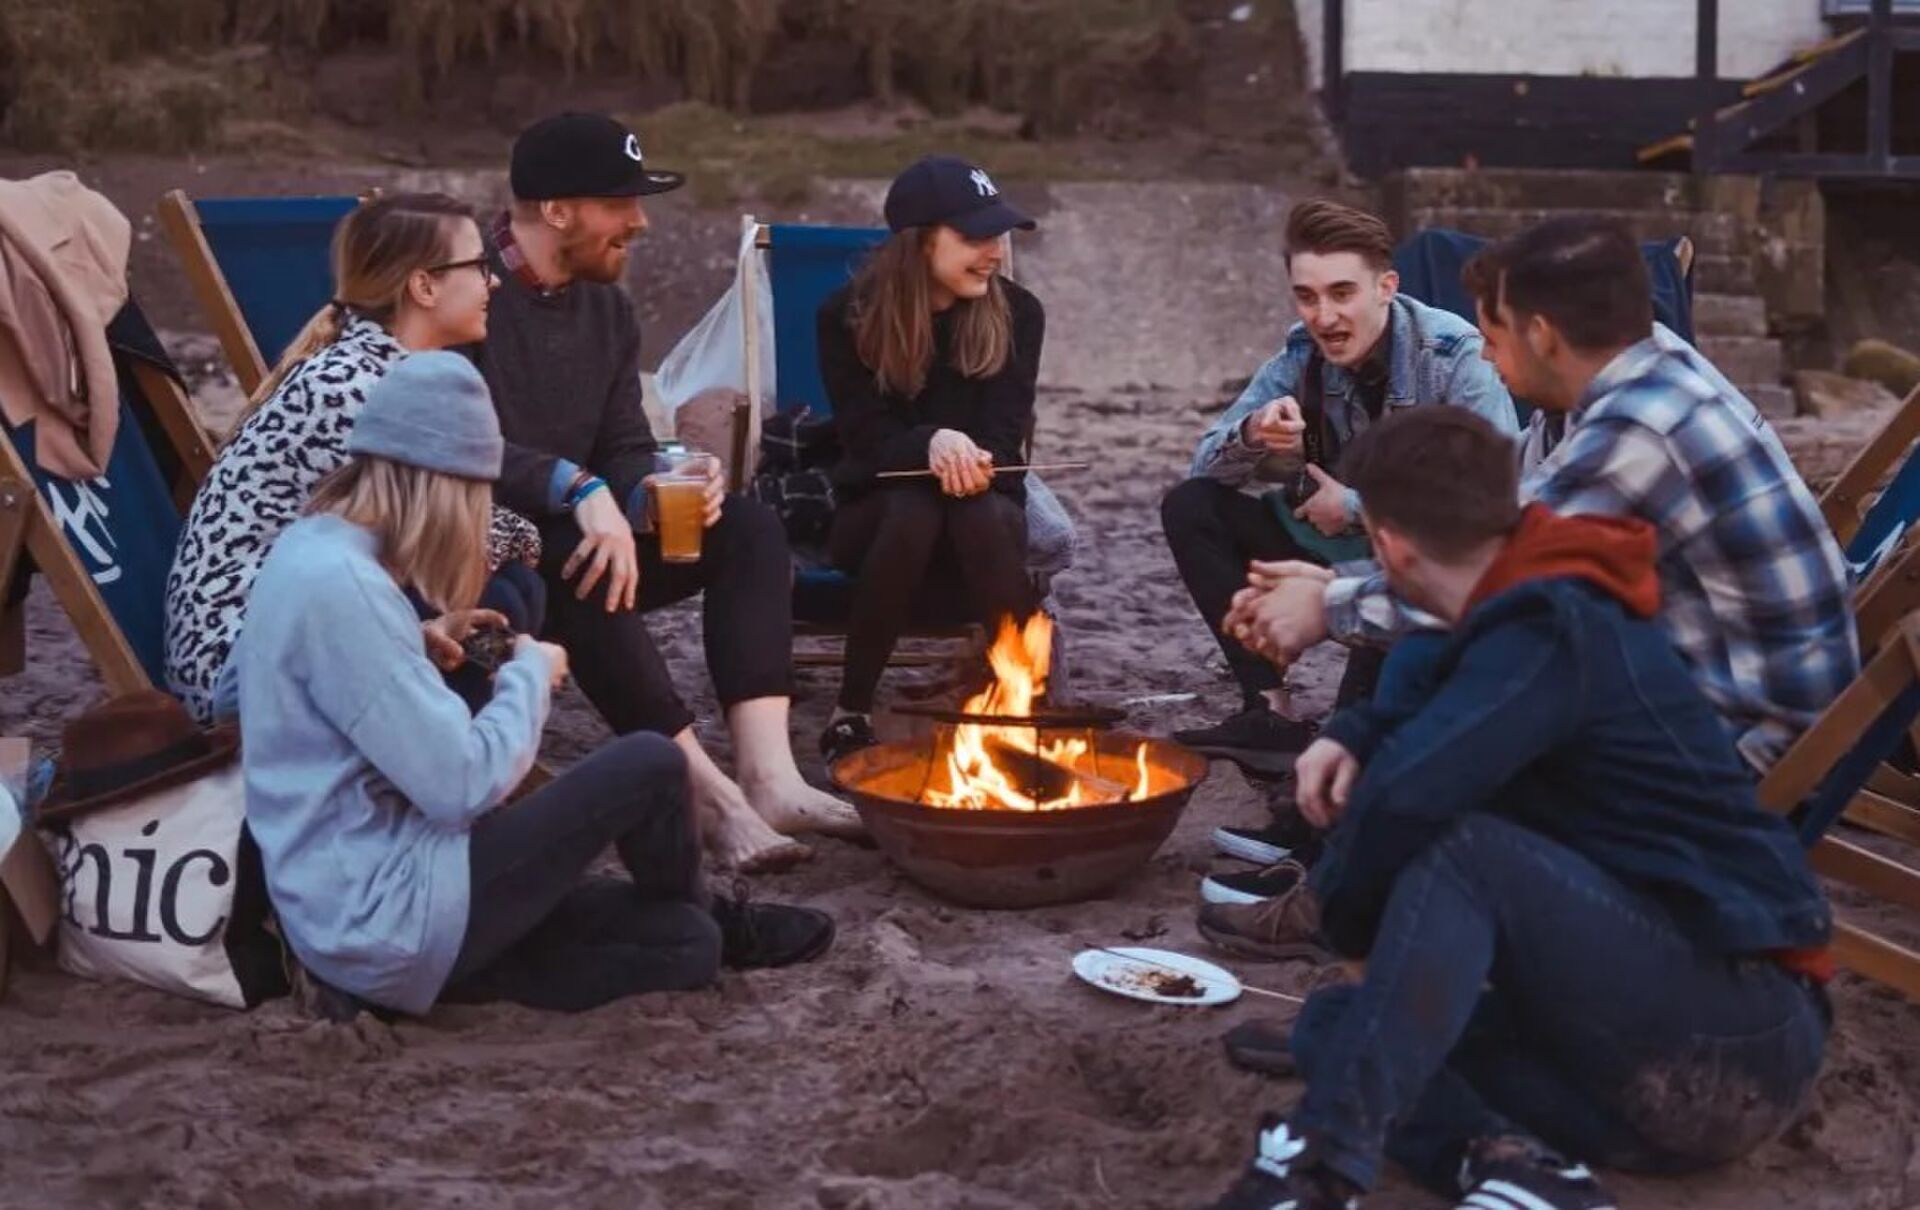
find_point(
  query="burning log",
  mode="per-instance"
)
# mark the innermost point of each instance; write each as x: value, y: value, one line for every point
x: 1048, y: 780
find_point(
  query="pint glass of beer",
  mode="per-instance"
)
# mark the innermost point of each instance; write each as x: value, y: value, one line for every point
x: 680, y: 506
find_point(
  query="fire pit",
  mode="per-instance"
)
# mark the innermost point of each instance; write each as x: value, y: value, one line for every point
x: 1007, y: 805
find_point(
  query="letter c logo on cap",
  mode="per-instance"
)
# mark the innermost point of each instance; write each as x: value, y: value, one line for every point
x: 633, y: 148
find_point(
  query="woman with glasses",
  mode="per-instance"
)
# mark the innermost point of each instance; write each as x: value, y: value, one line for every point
x: 410, y: 273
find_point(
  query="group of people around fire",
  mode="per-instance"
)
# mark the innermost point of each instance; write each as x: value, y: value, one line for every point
x: 1573, y: 646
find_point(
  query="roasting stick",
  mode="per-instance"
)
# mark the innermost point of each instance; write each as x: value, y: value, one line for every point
x: 1174, y: 970
x: 1030, y: 466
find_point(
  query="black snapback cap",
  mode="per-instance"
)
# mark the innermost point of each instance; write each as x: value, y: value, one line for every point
x: 583, y: 155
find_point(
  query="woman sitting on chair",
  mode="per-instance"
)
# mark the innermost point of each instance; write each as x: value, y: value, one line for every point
x: 372, y: 790
x: 929, y: 358
x: 410, y: 273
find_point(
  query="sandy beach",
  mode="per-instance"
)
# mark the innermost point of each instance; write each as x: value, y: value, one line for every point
x: 938, y: 1059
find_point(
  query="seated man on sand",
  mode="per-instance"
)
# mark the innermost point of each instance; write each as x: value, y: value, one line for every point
x: 562, y: 356
x: 1260, y: 487
x: 1633, y: 422
x: 1555, y: 824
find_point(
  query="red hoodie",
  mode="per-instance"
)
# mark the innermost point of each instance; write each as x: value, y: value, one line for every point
x: 1616, y: 555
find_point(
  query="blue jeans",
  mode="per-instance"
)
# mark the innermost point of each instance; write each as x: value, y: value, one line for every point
x: 1515, y: 988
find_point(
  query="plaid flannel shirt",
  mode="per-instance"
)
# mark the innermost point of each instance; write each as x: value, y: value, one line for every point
x: 1754, y: 591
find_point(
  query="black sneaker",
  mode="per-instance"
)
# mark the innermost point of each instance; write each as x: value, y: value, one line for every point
x: 846, y: 735
x: 1256, y: 739
x: 1289, y: 835
x: 318, y: 1000
x: 1262, y: 1047
x: 1252, y: 886
x: 1283, y: 1176
x: 1520, y: 1174
x: 760, y: 936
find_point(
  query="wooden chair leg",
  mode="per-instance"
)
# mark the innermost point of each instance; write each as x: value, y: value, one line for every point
x: 1878, y: 959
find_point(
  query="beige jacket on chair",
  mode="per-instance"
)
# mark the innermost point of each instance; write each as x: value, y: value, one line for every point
x: 63, y: 277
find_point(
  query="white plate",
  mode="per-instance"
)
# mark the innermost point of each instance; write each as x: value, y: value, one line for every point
x: 1139, y: 980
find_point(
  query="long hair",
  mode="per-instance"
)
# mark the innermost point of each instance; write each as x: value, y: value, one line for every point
x: 431, y: 528
x: 892, y: 318
x: 376, y: 248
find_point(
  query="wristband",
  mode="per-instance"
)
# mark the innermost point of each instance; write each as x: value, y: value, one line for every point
x: 578, y: 481
x: 578, y: 495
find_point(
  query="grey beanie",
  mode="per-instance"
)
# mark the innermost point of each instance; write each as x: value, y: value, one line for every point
x: 433, y: 411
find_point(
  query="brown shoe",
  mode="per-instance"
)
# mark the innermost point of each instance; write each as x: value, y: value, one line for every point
x: 1284, y: 927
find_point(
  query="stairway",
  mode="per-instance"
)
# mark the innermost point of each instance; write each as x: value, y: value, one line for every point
x: 1729, y: 312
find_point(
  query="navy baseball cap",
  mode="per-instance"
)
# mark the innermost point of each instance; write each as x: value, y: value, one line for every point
x: 946, y: 189
x: 583, y: 155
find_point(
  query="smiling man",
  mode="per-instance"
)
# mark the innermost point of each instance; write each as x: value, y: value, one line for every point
x: 562, y: 357
x: 1260, y: 487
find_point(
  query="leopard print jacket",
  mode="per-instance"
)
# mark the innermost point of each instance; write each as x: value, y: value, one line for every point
x: 257, y: 487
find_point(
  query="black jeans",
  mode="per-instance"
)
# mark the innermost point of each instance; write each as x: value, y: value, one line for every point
x: 539, y: 935
x: 1516, y: 988
x: 1214, y: 531
x: 894, y: 537
x: 746, y: 574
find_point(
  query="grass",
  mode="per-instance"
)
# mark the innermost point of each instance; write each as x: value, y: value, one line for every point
x: 112, y: 74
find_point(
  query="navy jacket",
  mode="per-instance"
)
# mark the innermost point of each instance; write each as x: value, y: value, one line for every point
x: 1554, y: 706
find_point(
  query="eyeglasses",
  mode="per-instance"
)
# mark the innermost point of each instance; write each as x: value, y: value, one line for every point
x: 475, y: 262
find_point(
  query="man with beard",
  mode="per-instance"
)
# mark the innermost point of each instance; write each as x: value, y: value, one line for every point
x: 1261, y: 487
x: 562, y: 357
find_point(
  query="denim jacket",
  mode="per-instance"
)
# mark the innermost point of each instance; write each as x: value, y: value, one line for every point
x: 1553, y: 707
x: 1434, y: 358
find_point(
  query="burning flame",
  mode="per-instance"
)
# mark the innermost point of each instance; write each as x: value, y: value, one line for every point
x: 1020, y: 658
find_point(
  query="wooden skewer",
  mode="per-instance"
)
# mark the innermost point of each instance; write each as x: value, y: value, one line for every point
x: 1030, y: 466
x: 1174, y: 970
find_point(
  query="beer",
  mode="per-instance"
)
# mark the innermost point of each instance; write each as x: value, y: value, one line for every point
x: 680, y: 508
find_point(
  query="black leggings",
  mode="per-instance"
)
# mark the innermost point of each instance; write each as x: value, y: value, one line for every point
x: 540, y: 935
x: 893, y: 538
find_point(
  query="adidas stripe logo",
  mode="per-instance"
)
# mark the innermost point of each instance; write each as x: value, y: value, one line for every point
x: 1505, y: 1195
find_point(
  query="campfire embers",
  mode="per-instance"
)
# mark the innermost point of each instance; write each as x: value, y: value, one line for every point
x: 1011, y: 804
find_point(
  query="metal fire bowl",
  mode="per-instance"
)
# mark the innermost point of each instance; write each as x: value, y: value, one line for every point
x: 1015, y: 859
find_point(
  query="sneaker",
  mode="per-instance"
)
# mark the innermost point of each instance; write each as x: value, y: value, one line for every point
x: 846, y: 735
x: 318, y: 1000
x: 1252, y: 886
x: 1283, y: 1176
x: 1271, y: 930
x: 1520, y: 1174
x: 761, y: 936
x: 1262, y: 1047
x: 1256, y: 739
x: 1289, y: 835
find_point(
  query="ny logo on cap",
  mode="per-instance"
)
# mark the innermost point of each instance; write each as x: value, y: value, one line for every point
x: 983, y: 183
x: 633, y: 148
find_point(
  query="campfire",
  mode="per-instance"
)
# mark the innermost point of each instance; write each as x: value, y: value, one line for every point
x: 1016, y: 765
x: 1014, y: 801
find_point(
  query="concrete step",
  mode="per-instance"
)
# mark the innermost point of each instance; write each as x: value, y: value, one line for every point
x: 1774, y: 400
x: 1712, y: 234
x: 1555, y: 189
x: 1723, y: 275
x: 1729, y: 314
x: 1749, y: 361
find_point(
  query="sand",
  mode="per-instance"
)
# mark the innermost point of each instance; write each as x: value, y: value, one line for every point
x: 938, y: 1059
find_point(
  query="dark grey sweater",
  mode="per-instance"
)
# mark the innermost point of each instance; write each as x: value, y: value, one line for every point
x: 564, y: 368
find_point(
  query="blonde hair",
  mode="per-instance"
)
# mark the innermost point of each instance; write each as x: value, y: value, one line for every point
x: 431, y: 528
x: 377, y: 247
x: 892, y: 318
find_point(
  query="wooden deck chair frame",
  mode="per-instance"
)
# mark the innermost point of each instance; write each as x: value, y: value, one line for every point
x: 27, y: 525
x: 1845, y: 502
x: 745, y: 434
x: 1892, y: 670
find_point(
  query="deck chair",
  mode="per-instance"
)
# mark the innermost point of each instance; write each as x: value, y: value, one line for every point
x: 105, y: 545
x: 1836, y: 770
x: 804, y: 265
x: 259, y: 267
x: 1870, y: 520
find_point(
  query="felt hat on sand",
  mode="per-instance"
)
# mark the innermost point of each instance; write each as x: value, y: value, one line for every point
x: 128, y: 746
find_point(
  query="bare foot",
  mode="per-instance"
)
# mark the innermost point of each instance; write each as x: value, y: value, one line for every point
x: 737, y: 838
x: 791, y: 805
